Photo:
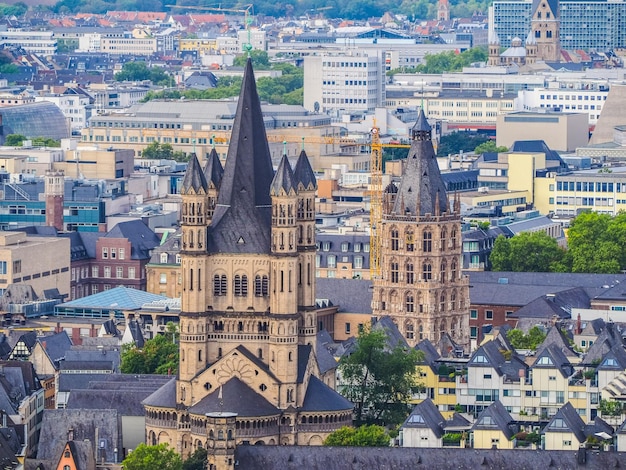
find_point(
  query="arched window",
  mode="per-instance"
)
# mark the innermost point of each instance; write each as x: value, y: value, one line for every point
x: 410, y: 303
x: 219, y: 284
x: 261, y: 286
x: 410, y: 274
x: 453, y: 300
x: 444, y: 235
x: 395, y: 240
x: 394, y: 272
x: 442, y: 273
x: 240, y: 287
x: 427, y: 244
x: 453, y: 270
x: 409, y: 330
x: 453, y: 239
x: 442, y: 302
x: 427, y: 272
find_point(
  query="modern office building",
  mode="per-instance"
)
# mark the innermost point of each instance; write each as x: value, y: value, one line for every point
x: 344, y: 83
x: 588, y: 25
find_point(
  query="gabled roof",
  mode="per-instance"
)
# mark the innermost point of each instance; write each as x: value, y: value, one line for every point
x: 559, y: 304
x: 242, y: 219
x: 394, y: 337
x: 426, y: 415
x: 421, y: 187
x: 304, y: 354
x: 552, y: 357
x: 194, y: 181
x: 555, y: 337
x: 325, y: 360
x: 430, y: 352
x: 489, y: 354
x: 320, y: 397
x: 283, y: 179
x: 56, y: 346
x: 142, y: 239
x: 567, y: 420
x: 235, y: 397
x: 495, y: 417
x: 614, y: 359
x: 609, y: 338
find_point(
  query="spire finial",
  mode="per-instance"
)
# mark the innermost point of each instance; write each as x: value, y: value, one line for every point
x: 302, y: 143
x: 284, y: 147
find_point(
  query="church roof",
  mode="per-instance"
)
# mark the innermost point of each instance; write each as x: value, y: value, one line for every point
x: 283, y: 179
x: 320, y: 397
x: 194, y: 177
x: 242, y: 220
x: 235, y: 397
x: 421, y: 186
x: 303, y: 172
x: 213, y: 170
x: 164, y: 397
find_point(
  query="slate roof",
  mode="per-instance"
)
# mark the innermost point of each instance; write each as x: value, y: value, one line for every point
x: 118, y: 298
x: 10, y: 447
x: 320, y: 397
x: 86, y: 425
x: 557, y: 305
x: 553, y: 354
x: 609, y: 338
x: 303, y: 173
x: 490, y: 351
x: 495, y: 416
x: 5, y: 347
x: 555, y: 337
x: 421, y: 187
x: 164, y: 397
x: 242, y: 218
x: 125, y: 402
x: 431, y: 355
x: 394, y: 337
x: 404, y: 458
x: 304, y: 354
x: 351, y: 295
x: 213, y: 170
x: 236, y: 397
x: 283, y: 178
x: 426, y: 415
x: 142, y: 239
x: 56, y: 346
x: 325, y: 359
x: 538, y: 146
x: 571, y: 422
x: 194, y: 180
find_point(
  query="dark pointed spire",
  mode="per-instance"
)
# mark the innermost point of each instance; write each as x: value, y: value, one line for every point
x: 283, y: 179
x: 242, y: 220
x: 213, y: 169
x: 421, y: 180
x: 303, y: 173
x: 194, y: 177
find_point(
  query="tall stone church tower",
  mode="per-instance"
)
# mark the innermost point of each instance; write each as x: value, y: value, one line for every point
x: 421, y: 287
x: 545, y: 26
x: 248, y: 320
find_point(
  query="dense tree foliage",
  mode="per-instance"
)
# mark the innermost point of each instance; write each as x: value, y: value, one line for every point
x: 15, y: 9
x: 449, y: 61
x: 286, y: 89
x: 17, y: 140
x: 364, y: 436
x: 158, y: 356
x: 260, y: 59
x: 456, y: 142
x: 152, y: 457
x: 531, y: 340
x: 489, y: 146
x: 596, y: 243
x: 137, y: 71
x: 364, y: 9
x: 196, y: 461
x: 159, y: 151
x: 527, y: 252
x: 379, y: 379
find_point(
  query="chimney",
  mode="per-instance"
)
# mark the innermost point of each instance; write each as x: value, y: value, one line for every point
x: 579, y: 326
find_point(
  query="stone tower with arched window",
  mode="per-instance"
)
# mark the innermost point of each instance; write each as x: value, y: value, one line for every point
x: 421, y: 286
x: 248, y: 317
x: 545, y: 25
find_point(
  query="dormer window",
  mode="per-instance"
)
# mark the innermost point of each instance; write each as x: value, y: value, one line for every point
x: 163, y: 258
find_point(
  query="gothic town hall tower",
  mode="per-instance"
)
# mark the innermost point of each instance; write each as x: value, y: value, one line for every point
x: 421, y: 286
x: 248, y: 320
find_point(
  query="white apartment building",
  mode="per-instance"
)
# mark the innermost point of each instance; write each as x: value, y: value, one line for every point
x: 90, y: 42
x: 344, y: 83
x: 37, y: 42
x: 128, y: 45
x: 75, y: 108
x: 583, y: 98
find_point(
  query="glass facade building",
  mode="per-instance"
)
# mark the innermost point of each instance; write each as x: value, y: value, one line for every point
x: 588, y: 25
x: 42, y: 119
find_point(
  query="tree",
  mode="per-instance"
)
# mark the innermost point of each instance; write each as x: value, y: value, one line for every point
x: 363, y: 436
x: 527, y: 252
x: 138, y: 71
x: 14, y: 140
x: 159, y: 151
x: 459, y: 142
x: 379, y: 379
x: 152, y: 457
x: 519, y: 340
x: 260, y: 59
x: 489, y: 146
x: 159, y: 355
x: 196, y: 461
x: 596, y: 243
